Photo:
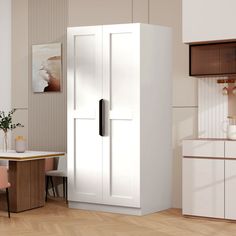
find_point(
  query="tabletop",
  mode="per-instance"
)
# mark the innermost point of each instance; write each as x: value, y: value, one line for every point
x: 28, y: 155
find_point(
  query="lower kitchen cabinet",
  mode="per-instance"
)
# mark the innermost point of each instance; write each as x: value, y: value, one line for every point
x: 209, y: 178
x: 203, y: 187
x: 230, y: 189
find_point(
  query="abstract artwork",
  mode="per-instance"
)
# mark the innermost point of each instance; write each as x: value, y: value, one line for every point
x: 46, y: 67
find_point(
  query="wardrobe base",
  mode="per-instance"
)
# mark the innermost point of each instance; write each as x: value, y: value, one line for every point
x: 111, y: 209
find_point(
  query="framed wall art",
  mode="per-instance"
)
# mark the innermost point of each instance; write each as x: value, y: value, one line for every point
x: 46, y: 68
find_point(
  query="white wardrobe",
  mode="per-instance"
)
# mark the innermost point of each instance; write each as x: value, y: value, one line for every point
x: 119, y: 118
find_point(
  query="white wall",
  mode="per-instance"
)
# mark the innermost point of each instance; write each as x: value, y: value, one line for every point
x: 206, y: 20
x: 5, y: 59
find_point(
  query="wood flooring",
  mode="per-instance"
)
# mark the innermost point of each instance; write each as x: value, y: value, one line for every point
x: 56, y: 219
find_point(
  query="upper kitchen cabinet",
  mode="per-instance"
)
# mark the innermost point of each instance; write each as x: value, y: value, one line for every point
x: 228, y: 58
x: 212, y: 59
x: 204, y: 60
x: 208, y: 20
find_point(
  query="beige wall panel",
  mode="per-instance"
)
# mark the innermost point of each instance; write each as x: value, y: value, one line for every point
x: 20, y: 53
x: 94, y: 12
x: 184, y: 126
x: 169, y: 13
x: 47, y: 111
x: 20, y: 116
x: 140, y: 11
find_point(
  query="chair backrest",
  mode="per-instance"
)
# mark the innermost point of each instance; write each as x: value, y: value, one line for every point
x: 62, y: 163
x: 4, y: 163
x: 49, y: 164
x: 3, y: 177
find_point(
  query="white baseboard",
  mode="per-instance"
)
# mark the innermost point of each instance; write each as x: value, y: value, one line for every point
x: 105, y: 208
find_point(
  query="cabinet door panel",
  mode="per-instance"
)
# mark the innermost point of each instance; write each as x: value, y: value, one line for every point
x: 205, y: 60
x: 121, y: 91
x: 228, y: 58
x: 122, y: 171
x: 203, y: 187
x: 230, y: 189
x: 84, y: 92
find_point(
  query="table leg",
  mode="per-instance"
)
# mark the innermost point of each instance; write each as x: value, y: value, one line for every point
x: 27, y: 180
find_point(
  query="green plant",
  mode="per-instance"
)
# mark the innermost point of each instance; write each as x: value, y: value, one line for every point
x: 6, y: 123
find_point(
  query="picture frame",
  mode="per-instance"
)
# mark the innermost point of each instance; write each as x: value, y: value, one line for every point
x: 47, y: 67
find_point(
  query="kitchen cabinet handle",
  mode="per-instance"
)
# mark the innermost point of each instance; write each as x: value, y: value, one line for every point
x: 101, y: 117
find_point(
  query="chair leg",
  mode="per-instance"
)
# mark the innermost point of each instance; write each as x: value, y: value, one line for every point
x: 47, y: 180
x: 8, y: 204
x: 53, y: 189
x: 64, y: 193
x: 66, y: 190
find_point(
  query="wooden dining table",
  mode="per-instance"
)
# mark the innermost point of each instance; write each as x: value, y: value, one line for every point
x: 27, y: 178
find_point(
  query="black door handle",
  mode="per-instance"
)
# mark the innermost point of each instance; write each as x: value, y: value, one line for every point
x: 101, y: 117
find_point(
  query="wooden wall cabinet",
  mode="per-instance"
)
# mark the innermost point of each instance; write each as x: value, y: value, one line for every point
x: 212, y: 59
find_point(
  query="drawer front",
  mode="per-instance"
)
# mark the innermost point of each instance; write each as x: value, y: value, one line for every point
x: 203, y: 148
x: 230, y: 149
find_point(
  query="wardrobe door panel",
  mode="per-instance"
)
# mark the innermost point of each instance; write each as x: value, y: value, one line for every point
x: 121, y: 92
x: 86, y: 82
x: 122, y: 82
x: 84, y: 92
x: 122, y: 159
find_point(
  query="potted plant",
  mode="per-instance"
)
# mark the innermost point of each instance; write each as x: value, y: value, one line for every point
x: 6, y: 125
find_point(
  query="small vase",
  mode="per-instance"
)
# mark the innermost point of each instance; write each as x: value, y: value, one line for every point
x: 20, y: 144
x: 5, y: 142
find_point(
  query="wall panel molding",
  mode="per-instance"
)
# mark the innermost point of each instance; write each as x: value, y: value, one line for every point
x: 48, y: 21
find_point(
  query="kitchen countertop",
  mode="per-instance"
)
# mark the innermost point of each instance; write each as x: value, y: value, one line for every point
x: 210, y: 139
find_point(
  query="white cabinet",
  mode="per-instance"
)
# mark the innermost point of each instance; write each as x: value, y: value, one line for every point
x: 84, y: 91
x: 121, y: 90
x: 209, y: 178
x: 203, y: 187
x: 117, y: 155
x: 230, y: 149
x: 230, y: 189
x: 207, y: 20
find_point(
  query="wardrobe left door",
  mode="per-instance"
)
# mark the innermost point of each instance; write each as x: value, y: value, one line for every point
x: 84, y: 90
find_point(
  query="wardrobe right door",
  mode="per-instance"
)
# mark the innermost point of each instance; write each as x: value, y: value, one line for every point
x: 121, y: 92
